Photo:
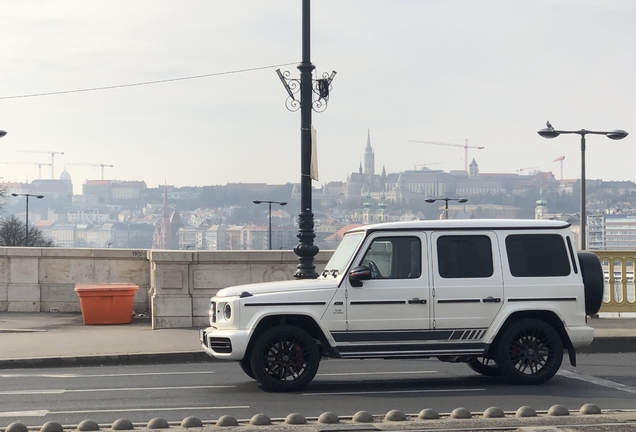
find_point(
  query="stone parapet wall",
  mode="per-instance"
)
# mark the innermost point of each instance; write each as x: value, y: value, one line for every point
x: 183, y: 282
x: 174, y: 286
x: 43, y: 279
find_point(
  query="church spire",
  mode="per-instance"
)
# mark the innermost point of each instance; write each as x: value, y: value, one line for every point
x: 369, y: 157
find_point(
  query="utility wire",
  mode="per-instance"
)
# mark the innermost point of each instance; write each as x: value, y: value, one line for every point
x: 145, y: 83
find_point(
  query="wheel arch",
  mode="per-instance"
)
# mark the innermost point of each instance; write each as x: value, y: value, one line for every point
x: 305, y: 322
x: 547, y: 316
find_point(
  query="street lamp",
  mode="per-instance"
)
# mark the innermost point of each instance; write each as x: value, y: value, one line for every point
x: 269, y: 208
x: 314, y: 95
x: 26, y: 238
x: 446, y: 200
x: 550, y: 132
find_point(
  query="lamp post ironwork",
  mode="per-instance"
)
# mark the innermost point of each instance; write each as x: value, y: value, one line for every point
x: 314, y: 95
x: 26, y: 237
x: 446, y: 200
x: 269, y: 218
x: 549, y: 132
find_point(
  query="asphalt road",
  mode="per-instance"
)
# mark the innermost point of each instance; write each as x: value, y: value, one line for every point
x: 209, y: 390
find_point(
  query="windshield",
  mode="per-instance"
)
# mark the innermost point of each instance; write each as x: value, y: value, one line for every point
x: 344, y: 253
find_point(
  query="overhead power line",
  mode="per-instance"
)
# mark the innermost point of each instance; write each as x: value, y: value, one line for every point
x: 146, y: 82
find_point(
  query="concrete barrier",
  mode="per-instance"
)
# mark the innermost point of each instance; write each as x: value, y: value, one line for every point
x: 174, y: 286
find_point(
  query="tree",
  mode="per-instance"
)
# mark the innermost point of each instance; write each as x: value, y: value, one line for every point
x: 12, y: 233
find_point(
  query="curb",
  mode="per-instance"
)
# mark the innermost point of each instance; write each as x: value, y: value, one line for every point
x: 610, y: 345
x: 600, y: 345
x: 107, y: 360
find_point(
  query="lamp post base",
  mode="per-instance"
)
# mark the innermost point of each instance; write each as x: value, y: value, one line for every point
x: 306, y: 249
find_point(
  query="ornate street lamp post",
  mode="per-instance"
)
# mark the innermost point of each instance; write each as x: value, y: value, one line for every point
x: 26, y: 237
x: 314, y: 94
x: 269, y: 218
x: 446, y: 200
x: 550, y: 132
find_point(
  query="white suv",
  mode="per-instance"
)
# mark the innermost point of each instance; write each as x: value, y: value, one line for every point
x: 504, y: 296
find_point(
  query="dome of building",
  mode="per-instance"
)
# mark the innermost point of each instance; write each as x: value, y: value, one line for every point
x: 65, y: 175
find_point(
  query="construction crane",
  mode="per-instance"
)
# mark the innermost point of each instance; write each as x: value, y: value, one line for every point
x: 30, y: 163
x: 426, y: 164
x: 521, y: 170
x: 52, y: 153
x: 93, y: 164
x: 560, y: 159
x: 464, y: 146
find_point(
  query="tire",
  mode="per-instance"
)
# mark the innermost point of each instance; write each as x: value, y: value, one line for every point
x: 529, y: 351
x: 246, y: 368
x: 593, y: 283
x: 284, y: 358
x: 484, y: 365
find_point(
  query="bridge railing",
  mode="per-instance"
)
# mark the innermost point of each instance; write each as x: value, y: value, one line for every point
x: 619, y: 293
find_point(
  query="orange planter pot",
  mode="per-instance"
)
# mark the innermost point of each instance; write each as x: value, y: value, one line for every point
x: 106, y: 303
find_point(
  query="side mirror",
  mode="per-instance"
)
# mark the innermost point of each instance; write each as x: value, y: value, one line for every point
x: 358, y: 274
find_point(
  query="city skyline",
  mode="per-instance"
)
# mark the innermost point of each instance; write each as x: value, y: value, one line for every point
x: 490, y: 72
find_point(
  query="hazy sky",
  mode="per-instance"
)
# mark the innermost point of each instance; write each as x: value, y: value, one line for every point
x: 490, y: 71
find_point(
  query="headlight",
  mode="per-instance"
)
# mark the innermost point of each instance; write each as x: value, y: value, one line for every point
x: 227, y: 311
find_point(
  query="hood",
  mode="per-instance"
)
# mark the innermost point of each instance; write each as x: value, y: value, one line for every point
x: 279, y: 286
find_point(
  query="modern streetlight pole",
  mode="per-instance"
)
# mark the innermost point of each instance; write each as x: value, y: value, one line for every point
x: 26, y: 237
x: 550, y: 132
x: 446, y: 200
x: 269, y: 218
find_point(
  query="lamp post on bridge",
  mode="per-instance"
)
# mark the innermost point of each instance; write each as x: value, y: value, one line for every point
x: 549, y: 132
x: 446, y: 200
x: 26, y: 237
x: 269, y: 218
x: 314, y: 95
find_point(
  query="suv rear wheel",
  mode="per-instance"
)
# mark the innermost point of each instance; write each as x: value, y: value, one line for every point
x: 529, y: 351
x: 284, y: 358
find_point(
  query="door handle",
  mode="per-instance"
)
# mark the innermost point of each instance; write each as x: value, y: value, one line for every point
x: 417, y: 301
x: 491, y: 299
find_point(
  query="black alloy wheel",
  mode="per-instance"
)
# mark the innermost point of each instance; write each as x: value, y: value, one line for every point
x: 530, y: 351
x: 284, y: 358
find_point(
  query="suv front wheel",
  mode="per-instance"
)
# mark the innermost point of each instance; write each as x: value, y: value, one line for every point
x: 284, y: 358
x: 530, y: 351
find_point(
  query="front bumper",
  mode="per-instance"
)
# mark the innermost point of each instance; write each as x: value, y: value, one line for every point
x: 224, y: 344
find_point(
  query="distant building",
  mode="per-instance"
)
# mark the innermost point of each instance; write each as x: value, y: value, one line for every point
x: 611, y: 231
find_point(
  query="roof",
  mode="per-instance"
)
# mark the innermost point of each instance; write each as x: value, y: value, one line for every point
x: 467, y: 223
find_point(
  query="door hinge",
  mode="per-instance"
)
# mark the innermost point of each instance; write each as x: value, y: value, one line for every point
x: 346, y: 325
x: 346, y: 294
x: 433, y: 292
x: 434, y: 325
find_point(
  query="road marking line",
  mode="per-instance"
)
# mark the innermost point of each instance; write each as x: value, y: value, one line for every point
x: 393, y: 392
x: 35, y: 413
x: 100, y: 375
x: 151, y: 409
x: 598, y: 381
x: 62, y: 391
x: 378, y: 373
x: 31, y: 392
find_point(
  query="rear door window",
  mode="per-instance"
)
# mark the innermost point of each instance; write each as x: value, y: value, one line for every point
x: 464, y: 256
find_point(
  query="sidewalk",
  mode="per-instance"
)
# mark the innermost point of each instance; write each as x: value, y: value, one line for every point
x: 61, y: 339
